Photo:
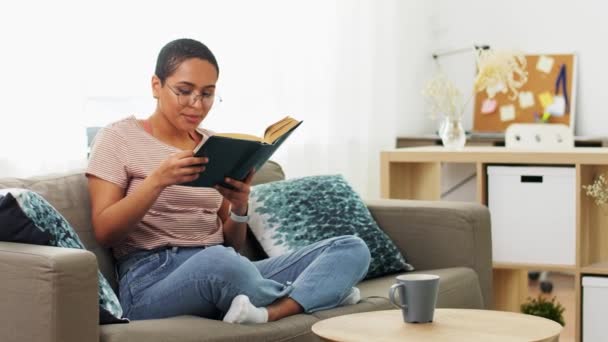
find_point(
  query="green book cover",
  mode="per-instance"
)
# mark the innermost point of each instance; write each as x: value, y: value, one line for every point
x: 234, y: 155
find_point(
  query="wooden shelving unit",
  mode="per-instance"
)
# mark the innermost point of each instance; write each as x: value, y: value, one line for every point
x: 423, y: 164
x: 487, y: 139
x: 599, y: 268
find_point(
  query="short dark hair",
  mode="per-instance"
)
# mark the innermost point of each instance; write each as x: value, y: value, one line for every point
x: 179, y: 50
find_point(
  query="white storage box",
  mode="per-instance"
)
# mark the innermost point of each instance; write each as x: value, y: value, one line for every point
x: 595, y: 309
x: 533, y: 211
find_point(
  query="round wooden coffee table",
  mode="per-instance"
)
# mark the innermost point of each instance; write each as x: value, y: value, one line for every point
x: 447, y: 325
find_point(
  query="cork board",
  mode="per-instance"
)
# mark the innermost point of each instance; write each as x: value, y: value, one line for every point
x: 550, y: 87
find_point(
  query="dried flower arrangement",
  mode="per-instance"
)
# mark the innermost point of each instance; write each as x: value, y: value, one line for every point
x: 496, y: 71
x: 501, y: 68
x: 598, y: 190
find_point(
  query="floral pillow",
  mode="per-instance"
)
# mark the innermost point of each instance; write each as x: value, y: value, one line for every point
x: 288, y: 215
x: 31, y: 219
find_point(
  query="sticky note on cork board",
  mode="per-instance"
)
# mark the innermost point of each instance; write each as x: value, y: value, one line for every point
x: 546, y: 99
x: 507, y: 113
x: 526, y: 99
x: 545, y: 64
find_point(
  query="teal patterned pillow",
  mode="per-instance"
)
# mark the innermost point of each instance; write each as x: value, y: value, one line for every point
x: 46, y: 218
x: 287, y: 215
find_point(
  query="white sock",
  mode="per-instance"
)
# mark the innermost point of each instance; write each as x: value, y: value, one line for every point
x: 353, y: 297
x: 242, y: 311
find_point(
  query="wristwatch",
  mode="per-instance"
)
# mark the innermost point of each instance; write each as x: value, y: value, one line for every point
x: 239, y: 218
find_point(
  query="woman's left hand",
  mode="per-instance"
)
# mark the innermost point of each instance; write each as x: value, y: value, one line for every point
x: 239, y: 196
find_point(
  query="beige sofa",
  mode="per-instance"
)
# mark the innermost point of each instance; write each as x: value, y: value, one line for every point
x: 50, y: 294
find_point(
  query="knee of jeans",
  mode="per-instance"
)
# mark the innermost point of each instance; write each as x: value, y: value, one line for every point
x: 358, y: 251
x: 363, y: 249
x: 225, y: 264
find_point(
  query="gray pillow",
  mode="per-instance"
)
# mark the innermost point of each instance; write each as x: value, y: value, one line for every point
x: 288, y: 215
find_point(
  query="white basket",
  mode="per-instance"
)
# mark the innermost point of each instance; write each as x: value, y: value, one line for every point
x: 533, y: 212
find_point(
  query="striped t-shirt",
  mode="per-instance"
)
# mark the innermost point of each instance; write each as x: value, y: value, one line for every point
x: 125, y: 154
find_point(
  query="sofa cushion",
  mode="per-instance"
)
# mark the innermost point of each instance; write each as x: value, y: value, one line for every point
x: 291, y: 214
x: 374, y: 303
x: 196, y: 329
x: 458, y: 287
x: 46, y: 218
x: 191, y: 328
x: 269, y: 172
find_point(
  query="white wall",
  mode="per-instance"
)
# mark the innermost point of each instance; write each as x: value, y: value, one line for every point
x: 414, y: 47
x: 552, y: 26
x: 351, y: 69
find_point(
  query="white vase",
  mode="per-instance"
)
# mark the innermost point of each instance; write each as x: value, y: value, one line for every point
x: 452, y: 133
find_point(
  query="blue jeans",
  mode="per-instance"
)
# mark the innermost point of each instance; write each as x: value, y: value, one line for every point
x: 202, y: 281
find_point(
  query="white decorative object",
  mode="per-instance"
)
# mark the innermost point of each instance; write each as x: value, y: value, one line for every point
x: 452, y: 133
x: 539, y: 136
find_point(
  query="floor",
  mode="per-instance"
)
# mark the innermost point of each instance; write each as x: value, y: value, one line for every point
x: 563, y: 290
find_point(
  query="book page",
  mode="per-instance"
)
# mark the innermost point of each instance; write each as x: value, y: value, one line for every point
x: 273, y: 132
x: 276, y: 130
x: 240, y: 136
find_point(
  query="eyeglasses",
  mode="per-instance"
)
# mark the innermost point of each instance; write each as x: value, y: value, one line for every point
x: 189, y: 97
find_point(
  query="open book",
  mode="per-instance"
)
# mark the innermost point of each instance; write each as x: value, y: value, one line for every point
x: 235, y: 154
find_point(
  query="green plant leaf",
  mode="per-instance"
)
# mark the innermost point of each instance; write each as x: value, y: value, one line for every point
x: 542, y: 307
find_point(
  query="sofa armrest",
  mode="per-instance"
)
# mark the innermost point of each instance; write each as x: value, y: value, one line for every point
x: 438, y: 234
x: 48, y: 294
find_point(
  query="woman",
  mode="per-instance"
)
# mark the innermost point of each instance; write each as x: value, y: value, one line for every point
x: 177, y: 246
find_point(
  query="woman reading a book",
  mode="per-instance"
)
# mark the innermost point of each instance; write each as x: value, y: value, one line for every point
x: 177, y: 246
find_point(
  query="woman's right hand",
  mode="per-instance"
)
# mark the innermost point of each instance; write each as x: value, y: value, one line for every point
x: 181, y: 167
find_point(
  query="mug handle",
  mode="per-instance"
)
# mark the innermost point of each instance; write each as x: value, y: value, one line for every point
x: 391, y: 296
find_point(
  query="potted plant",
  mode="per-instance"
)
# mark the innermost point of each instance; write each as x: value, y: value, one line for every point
x: 542, y: 307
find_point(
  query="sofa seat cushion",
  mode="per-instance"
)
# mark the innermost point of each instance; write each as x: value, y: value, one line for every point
x: 196, y: 329
x: 365, y: 305
x: 458, y: 287
x: 192, y: 328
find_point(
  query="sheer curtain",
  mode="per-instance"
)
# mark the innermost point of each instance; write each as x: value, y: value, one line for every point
x: 350, y: 69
